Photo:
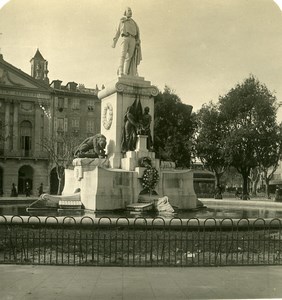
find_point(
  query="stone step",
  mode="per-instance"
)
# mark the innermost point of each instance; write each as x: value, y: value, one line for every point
x: 140, y: 206
x: 70, y: 203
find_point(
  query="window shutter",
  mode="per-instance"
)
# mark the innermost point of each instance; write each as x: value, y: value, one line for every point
x: 56, y: 102
x: 65, y: 124
x: 55, y: 124
x: 22, y: 142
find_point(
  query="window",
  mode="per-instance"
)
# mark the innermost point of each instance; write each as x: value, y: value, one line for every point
x: 75, y: 103
x: 90, y: 104
x: 60, y: 149
x: 90, y: 126
x: 60, y: 104
x: 60, y: 124
x: 25, y: 135
x: 66, y: 103
x: 2, y: 138
x: 75, y: 123
x: 65, y: 124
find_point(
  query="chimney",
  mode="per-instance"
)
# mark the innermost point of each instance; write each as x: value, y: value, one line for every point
x: 56, y: 84
x: 71, y: 86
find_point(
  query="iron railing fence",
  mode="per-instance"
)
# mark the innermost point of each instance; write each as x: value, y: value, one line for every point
x: 139, y: 242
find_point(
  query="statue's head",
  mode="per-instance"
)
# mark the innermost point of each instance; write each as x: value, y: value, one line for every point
x: 128, y: 12
x: 146, y: 110
x: 101, y: 141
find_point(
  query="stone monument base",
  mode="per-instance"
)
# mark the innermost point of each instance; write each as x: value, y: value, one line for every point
x: 103, y: 188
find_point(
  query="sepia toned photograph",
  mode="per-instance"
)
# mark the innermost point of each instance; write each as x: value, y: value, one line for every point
x: 140, y: 149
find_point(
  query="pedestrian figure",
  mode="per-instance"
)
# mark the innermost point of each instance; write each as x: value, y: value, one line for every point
x: 27, y: 189
x: 13, y: 191
x: 278, y: 196
x: 238, y: 193
x: 218, y: 192
x: 40, y: 189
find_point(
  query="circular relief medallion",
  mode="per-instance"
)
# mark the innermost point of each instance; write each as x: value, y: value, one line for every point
x: 107, y: 116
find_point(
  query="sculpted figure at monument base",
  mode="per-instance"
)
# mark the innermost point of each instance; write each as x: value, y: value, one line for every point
x: 146, y: 127
x: 132, y: 126
x: 97, y: 143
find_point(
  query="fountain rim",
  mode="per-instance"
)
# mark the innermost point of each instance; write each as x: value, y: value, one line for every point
x: 239, y: 203
x: 161, y: 221
x: 142, y: 222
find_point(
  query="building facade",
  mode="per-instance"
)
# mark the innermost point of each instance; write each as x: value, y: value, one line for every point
x: 31, y: 111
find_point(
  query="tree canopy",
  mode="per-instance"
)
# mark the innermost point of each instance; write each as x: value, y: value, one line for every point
x: 173, y: 129
x: 249, y: 111
x: 246, y: 132
x: 208, y: 143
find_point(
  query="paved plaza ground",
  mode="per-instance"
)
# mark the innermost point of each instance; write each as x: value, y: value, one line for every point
x: 73, y: 283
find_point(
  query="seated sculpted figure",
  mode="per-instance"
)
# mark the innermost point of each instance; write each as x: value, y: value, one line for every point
x: 97, y: 143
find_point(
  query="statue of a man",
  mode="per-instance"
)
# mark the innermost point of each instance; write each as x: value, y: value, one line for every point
x: 146, y: 127
x: 132, y: 126
x: 130, y: 45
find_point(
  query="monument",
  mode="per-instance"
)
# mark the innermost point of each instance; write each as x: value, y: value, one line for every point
x: 128, y: 173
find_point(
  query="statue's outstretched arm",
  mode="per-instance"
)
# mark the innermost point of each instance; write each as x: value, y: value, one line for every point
x: 116, y: 37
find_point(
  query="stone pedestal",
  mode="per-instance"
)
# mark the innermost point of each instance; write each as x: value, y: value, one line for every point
x: 131, y: 159
x: 142, y: 143
x: 101, y: 188
x: 116, y: 181
x: 177, y: 185
x: 115, y: 99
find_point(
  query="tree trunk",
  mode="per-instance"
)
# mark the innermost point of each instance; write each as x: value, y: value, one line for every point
x: 217, y: 194
x: 267, y: 187
x: 217, y: 179
x: 255, y: 176
x: 60, y: 173
x: 59, y: 186
x: 254, y: 187
x: 245, y: 195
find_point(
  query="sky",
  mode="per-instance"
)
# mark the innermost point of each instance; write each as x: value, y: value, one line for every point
x: 199, y: 48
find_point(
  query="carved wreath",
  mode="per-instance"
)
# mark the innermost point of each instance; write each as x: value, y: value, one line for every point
x: 107, y: 116
x: 150, y: 178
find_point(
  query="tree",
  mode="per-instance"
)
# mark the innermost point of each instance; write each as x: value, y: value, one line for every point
x: 173, y: 129
x: 60, y: 149
x: 270, y: 155
x: 209, y: 146
x: 255, y: 176
x: 249, y: 112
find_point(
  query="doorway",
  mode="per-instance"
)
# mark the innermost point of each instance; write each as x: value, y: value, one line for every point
x: 54, y: 182
x: 1, y: 182
x: 25, y: 176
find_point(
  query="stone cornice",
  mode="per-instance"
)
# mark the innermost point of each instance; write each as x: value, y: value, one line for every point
x: 129, y: 85
x: 21, y: 93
